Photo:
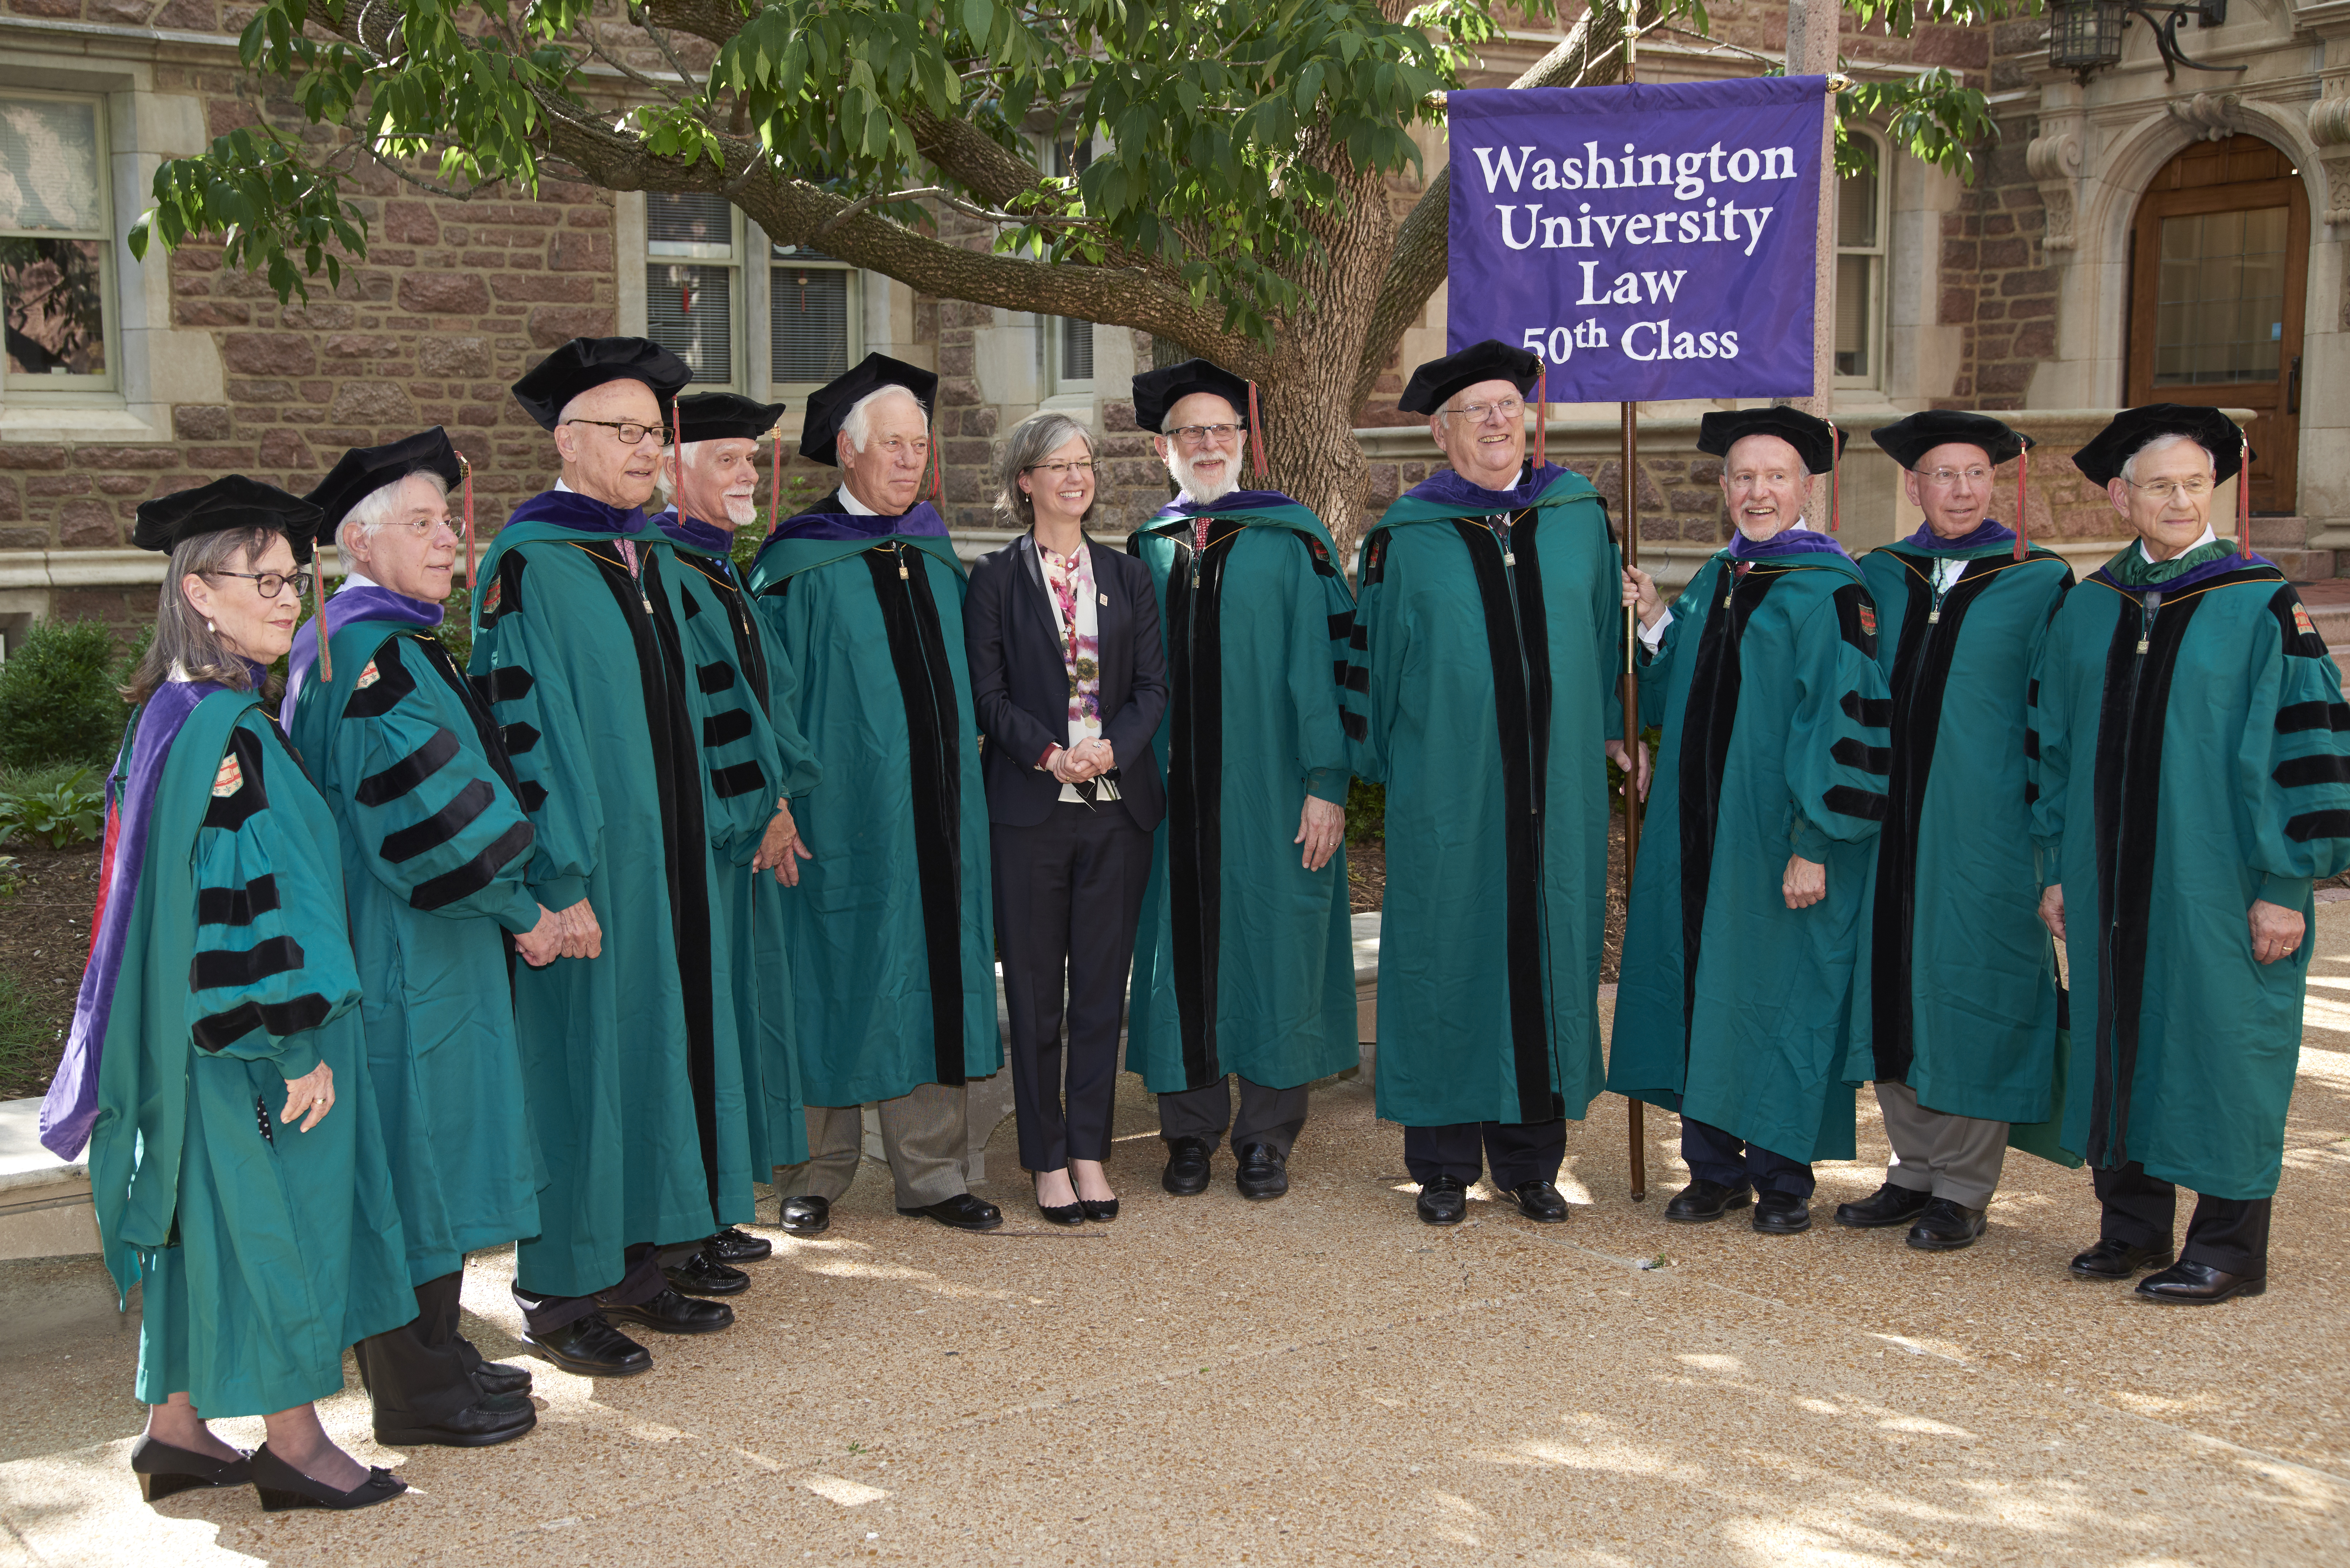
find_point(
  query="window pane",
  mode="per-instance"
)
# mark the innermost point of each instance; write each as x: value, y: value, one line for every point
x: 1076, y: 350
x: 1855, y: 287
x: 2219, y: 305
x: 689, y: 225
x: 49, y: 166
x: 51, y: 293
x: 1857, y: 210
x: 690, y: 311
x: 808, y: 318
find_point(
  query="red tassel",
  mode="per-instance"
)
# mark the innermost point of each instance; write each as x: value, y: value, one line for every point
x: 465, y: 478
x: 1256, y: 436
x: 1541, y: 414
x: 2022, y: 464
x: 776, y: 484
x: 2244, y: 498
x: 1836, y: 476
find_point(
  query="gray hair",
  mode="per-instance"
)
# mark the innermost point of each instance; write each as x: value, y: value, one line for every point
x: 858, y: 423
x: 185, y: 647
x: 379, y: 507
x: 1032, y: 441
x: 2164, y: 442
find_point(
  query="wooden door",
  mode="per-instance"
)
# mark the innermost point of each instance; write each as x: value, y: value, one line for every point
x: 2218, y: 265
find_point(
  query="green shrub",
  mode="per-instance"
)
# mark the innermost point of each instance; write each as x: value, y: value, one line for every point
x: 1366, y: 811
x: 60, y: 700
x: 456, y: 631
x: 69, y: 810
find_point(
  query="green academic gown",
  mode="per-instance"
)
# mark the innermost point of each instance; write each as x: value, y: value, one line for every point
x: 742, y: 696
x: 1483, y: 670
x: 1955, y: 990
x: 2193, y: 757
x: 266, y: 1251
x: 892, y: 935
x: 1733, y: 1007
x: 1243, y: 960
x: 434, y: 845
x: 637, y: 1099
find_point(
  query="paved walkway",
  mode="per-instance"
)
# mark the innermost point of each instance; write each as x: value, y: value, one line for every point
x: 1324, y: 1380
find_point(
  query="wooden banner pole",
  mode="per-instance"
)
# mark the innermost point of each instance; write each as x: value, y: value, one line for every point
x: 1629, y: 414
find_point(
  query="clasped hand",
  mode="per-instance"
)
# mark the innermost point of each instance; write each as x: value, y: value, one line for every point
x: 561, y: 933
x: 1085, y: 760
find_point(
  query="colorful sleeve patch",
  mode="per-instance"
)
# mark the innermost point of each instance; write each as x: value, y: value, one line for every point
x: 368, y: 677
x: 490, y: 599
x: 1868, y: 620
x: 2301, y: 620
x: 229, y: 779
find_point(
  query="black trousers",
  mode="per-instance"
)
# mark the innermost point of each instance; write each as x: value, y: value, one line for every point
x: 1713, y: 1154
x: 1068, y: 894
x: 2229, y: 1235
x: 1517, y: 1152
x: 641, y: 1282
x: 1273, y: 1116
x: 421, y: 1373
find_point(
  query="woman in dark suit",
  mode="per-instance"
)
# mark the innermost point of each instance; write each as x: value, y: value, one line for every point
x: 1069, y: 679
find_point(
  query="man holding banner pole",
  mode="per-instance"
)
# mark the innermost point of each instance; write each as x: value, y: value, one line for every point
x: 1481, y: 679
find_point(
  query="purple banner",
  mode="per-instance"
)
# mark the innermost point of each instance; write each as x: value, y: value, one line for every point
x: 1647, y: 242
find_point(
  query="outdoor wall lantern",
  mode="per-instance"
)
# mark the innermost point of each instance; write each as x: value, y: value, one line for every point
x: 2085, y: 35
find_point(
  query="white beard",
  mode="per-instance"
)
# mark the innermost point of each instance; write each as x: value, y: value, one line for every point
x: 1201, y: 493
x: 743, y: 509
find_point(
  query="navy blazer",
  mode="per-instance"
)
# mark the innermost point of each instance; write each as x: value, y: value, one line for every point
x: 1020, y: 679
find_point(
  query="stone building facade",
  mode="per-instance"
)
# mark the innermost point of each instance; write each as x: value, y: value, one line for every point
x: 2020, y: 292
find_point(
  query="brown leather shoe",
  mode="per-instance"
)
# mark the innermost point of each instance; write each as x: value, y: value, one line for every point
x: 2189, y: 1283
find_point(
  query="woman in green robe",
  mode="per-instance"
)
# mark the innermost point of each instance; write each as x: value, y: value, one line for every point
x: 216, y: 1036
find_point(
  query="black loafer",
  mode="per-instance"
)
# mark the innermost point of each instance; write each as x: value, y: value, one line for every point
x: 1264, y: 1171
x: 2190, y: 1284
x: 1889, y: 1205
x: 703, y: 1275
x: 494, y: 1379
x: 807, y: 1216
x: 737, y: 1245
x: 282, y: 1486
x: 1539, y: 1201
x: 670, y: 1313
x: 1443, y: 1200
x: 164, y: 1471
x: 591, y: 1347
x: 2118, y: 1260
x: 1781, y: 1214
x: 501, y: 1420
x: 1186, y: 1175
x: 1946, y: 1226
x: 1701, y: 1203
x: 960, y: 1213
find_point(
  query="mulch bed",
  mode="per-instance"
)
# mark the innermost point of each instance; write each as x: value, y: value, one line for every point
x: 43, y: 942
x: 1366, y: 871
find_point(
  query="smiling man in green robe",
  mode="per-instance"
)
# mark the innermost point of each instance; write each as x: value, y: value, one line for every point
x: 1738, y: 955
x: 2193, y: 780
x: 1481, y: 691
x: 435, y: 849
x: 1243, y: 961
x: 1955, y: 994
x: 892, y: 935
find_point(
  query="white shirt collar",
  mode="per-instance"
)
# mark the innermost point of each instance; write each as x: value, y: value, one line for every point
x: 563, y: 487
x: 853, y: 506
x: 2209, y: 535
x: 356, y: 579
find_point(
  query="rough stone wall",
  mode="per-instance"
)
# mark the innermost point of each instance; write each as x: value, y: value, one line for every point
x: 1997, y: 282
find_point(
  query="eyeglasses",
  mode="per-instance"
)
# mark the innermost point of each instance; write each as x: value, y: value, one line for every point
x: 630, y: 432
x: 1478, y: 413
x: 1976, y: 475
x: 2169, y: 489
x: 269, y: 585
x: 1083, y: 468
x: 898, y: 446
x: 423, y: 526
x: 1205, y: 435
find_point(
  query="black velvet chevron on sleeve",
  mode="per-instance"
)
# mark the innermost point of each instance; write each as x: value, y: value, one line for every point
x: 1856, y: 617
x: 388, y: 785
x: 380, y: 688
x: 1852, y: 754
x: 1876, y: 712
x: 236, y: 798
x: 2297, y: 716
x: 2301, y: 638
x: 215, y: 969
x: 223, y: 1029
x: 236, y: 906
x: 464, y: 808
x: 438, y: 892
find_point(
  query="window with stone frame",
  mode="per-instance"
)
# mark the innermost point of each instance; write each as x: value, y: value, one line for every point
x: 56, y: 245
x: 1066, y: 343
x: 815, y: 313
x: 1860, y: 268
x: 693, y: 285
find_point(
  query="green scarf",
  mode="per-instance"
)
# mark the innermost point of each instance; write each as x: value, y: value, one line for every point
x: 2131, y: 569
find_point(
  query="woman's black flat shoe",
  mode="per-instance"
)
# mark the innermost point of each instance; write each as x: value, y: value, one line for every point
x: 282, y: 1486
x: 1061, y: 1213
x: 1105, y: 1209
x: 163, y: 1469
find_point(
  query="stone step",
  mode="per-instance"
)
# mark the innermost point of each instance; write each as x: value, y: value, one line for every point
x: 45, y: 1208
x: 2301, y: 566
x: 2286, y: 532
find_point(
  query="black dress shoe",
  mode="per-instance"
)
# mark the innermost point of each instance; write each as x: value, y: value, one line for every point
x: 1443, y: 1200
x: 806, y: 1216
x: 500, y: 1420
x: 737, y: 1245
x: 1539, y: 1201
x: 960, y: 1213
x: 1701, y: 1203
x: 2118, y: 1260
x: 670, y: 1313
x: 1946, y: 1226
x: 1781, y: 1214
x: 163, y: 1469
x: 1186, y: 1175
x: 282, y: 1486
x: 703, y: 1275
x: 2190, y: 1284
x: 1061, y: 1213
x: 591, y: 1347
x: 1889, y: 1205
x: 1264, y: 1171
x: 495, y: 1377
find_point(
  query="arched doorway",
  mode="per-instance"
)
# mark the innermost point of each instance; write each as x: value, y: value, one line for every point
x: 2219, y: 262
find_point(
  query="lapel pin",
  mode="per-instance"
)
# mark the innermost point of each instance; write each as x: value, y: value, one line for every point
x: 1104, y: 598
